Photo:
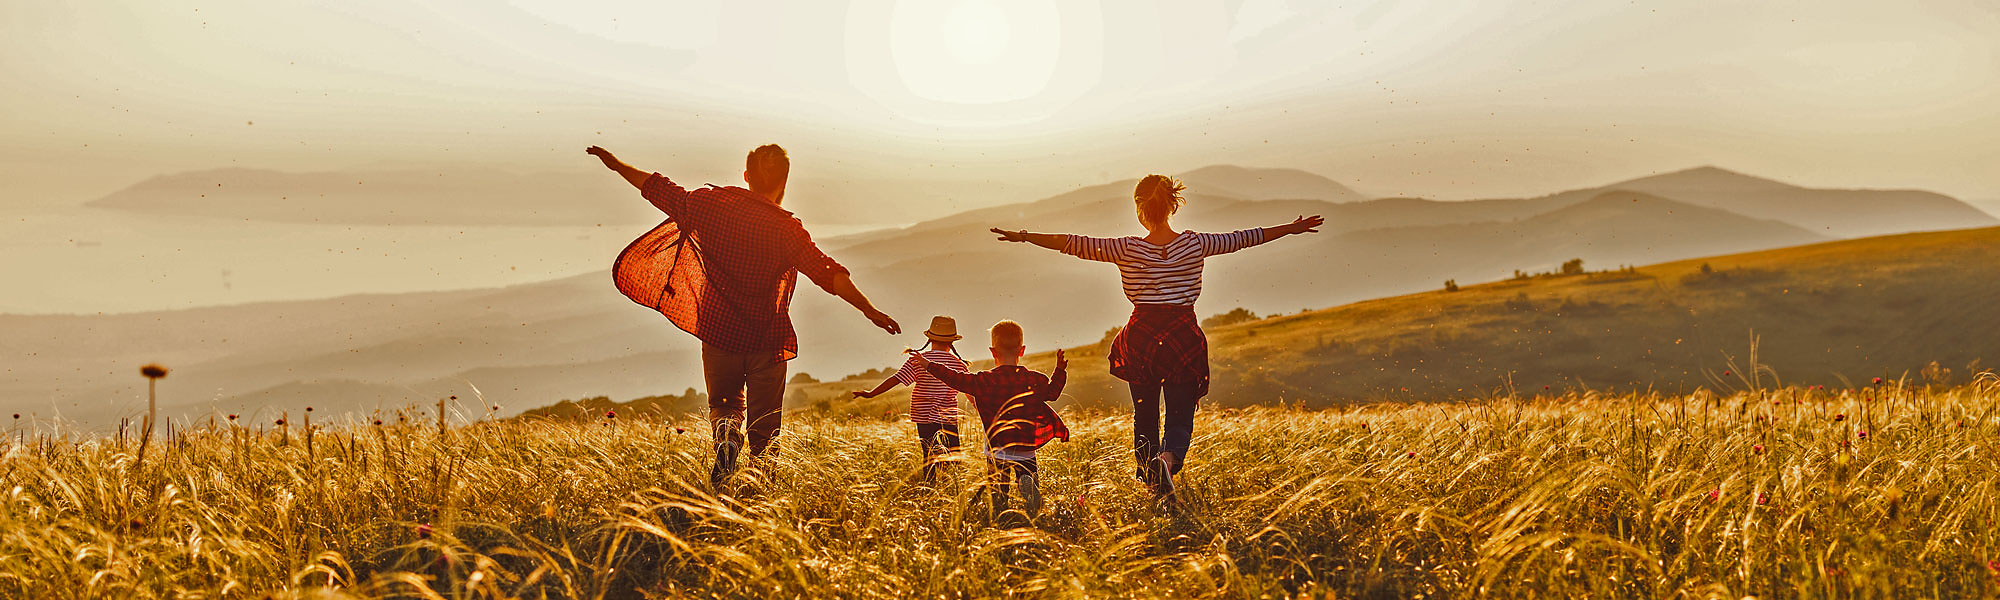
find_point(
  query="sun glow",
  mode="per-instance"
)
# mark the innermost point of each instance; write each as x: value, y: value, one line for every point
x: 975, y: 51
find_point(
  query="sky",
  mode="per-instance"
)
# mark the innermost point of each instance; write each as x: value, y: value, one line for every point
x: 991, y: 100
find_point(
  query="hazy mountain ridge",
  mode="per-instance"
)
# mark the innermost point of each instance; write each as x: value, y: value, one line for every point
x: 502, y: 339
x: 1835, y: 212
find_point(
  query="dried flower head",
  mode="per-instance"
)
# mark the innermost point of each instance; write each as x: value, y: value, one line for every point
x: 153, y: 371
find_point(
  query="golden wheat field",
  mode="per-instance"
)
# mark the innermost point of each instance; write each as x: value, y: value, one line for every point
x: 1887, y: 491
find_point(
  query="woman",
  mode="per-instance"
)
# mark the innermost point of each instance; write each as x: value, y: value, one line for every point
x: 1161, y: 353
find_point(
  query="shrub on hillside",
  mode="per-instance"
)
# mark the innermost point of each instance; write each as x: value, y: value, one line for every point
x: 1238, y: 315
x: 1572, y: 266
x: 803, y: 377
x: 1451, y: 285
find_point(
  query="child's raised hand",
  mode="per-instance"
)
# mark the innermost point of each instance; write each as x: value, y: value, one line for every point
x: 1062, y: 362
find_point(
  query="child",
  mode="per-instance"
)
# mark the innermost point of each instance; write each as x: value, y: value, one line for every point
x: 1013, y: 405
x: 933, y: 405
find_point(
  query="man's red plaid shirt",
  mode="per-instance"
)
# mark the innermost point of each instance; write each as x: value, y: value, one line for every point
x: 723, y: 266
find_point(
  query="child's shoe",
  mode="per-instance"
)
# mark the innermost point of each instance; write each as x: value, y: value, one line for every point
x: 1031, y: 493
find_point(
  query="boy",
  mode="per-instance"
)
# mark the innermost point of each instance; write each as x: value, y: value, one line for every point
x: 1013, y: 405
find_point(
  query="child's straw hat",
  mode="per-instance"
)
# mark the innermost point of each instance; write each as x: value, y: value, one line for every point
x: 943, y: 329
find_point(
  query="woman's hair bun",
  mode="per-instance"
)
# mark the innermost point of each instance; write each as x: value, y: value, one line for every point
x: 1157, y: 197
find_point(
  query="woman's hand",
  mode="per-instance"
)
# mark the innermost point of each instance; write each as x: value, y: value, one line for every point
x: 1303, y: 224
x: 1011, y: 236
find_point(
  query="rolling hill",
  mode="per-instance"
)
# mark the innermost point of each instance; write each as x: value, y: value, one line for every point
x: 1835, y: 314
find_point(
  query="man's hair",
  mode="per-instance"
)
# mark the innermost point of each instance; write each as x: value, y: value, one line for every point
x: 766, y: 167
x: 1157, y: 197
x: 1007, y: 334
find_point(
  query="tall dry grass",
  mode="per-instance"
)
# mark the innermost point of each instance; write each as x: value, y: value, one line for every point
x: 1763, y: 494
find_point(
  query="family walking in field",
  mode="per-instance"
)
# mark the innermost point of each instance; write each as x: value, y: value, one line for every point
x: 724, y: 264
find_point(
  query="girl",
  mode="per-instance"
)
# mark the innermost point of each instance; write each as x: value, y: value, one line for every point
x: 933, y: 405
x: 1161, y: 354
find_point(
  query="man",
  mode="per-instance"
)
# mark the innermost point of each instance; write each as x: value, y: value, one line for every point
x: 722, y: 267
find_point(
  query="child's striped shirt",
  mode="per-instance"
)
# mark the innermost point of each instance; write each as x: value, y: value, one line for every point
x: 931, y: 401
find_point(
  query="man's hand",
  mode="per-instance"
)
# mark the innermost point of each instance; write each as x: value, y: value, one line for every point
x: 882, y: 320
x: 633, y: 176
x: 1011, y: 236
x: 603, y: 155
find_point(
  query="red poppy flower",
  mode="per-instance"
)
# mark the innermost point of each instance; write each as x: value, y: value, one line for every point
x: 610, y: 414
x: 1878, y: 381
x: 424, y: 531
x: 1763, y: 499
x: 232, y: 417
x: 1861, y: 434
x: 1726, y: 373
x: 1410, y: 455
x: 1757, y: 449
x: 1714, y: 495
x: 1839, y: 417
x: 281, y: 422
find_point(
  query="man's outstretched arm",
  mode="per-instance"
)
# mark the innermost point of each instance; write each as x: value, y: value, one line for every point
x: 843, y: 286
x: 632, y: 175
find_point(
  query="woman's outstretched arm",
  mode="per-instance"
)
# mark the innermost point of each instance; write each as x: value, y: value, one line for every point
x: 1213, y: 244
x: 1052, y: 241
x: 1300, y: 225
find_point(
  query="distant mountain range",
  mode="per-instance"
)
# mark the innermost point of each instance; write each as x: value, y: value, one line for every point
x: 472, y: 196
x: 529, y: 345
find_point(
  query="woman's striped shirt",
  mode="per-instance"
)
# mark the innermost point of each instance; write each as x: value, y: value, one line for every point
x: 931, y: 401
x: 1155, y: 274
